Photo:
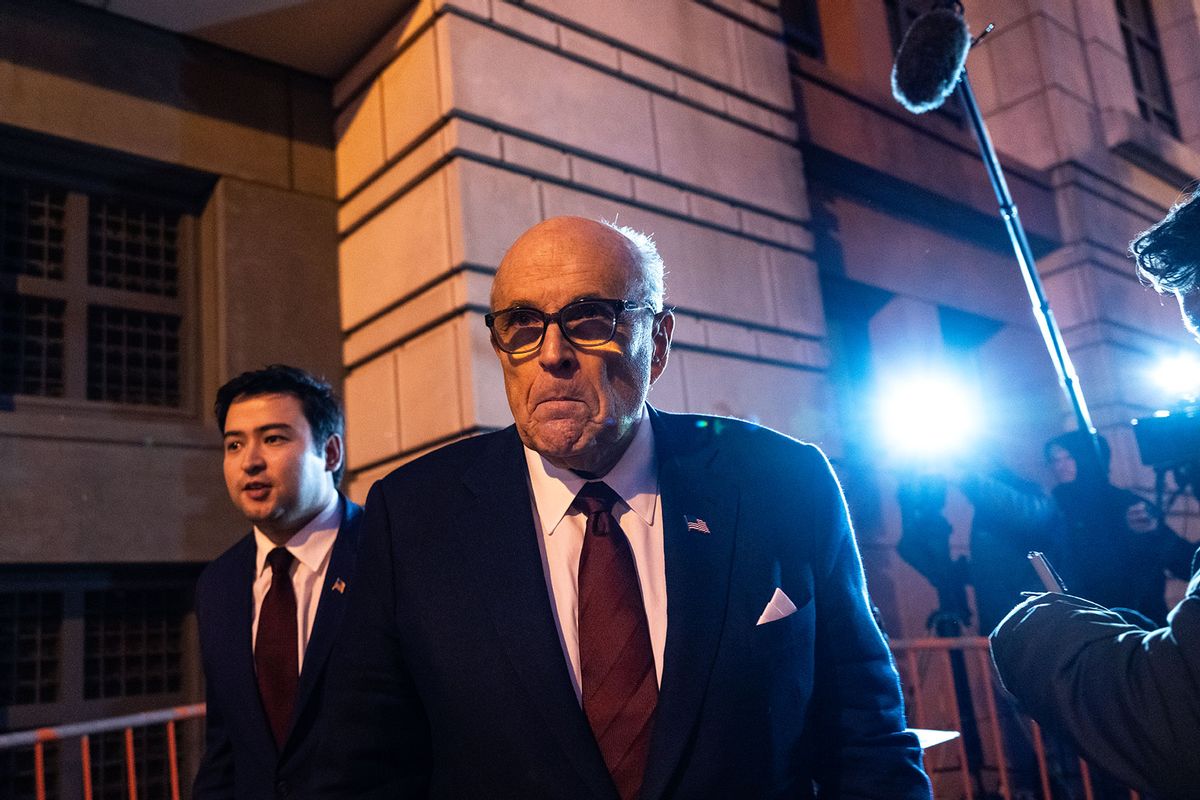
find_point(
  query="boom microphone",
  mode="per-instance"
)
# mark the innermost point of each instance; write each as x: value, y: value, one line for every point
x: 930, y: 60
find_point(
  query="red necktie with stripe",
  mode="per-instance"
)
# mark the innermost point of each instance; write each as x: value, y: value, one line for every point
x: 619, y: 685
x: 276, y: 658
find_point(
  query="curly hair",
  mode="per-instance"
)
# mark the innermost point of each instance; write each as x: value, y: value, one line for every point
x: 1168, y: 253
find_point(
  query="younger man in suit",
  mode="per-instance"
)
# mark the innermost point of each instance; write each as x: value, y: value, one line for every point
x: 270, y: 606
x: 604, y: 600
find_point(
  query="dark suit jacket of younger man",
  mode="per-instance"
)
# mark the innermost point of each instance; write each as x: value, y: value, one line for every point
x: 241, y: 759
x: 453, y: 679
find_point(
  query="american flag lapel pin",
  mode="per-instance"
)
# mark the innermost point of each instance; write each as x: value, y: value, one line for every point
x: 339, y: 586
x: 697, y: 525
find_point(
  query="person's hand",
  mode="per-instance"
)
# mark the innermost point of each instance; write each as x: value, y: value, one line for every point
x: 1139, y: 519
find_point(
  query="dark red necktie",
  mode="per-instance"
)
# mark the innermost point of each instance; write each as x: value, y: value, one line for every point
x: 620, y: 690
x: 276, y: 656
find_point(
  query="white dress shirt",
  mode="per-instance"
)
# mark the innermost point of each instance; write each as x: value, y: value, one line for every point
x: 560, y: 537
x: 310, y: 546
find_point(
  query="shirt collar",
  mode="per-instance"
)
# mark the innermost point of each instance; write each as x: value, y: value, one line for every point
x: 311, y: 544
x: 634, y: 478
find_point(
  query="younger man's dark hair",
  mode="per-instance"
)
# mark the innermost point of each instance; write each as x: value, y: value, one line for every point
x: 1168, y: 253
x: 322, y: 407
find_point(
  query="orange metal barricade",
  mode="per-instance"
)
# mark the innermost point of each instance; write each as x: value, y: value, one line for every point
x: 926, y: 671
x: 127, y: 724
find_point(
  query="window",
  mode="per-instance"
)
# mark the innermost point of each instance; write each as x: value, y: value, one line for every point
x: 30, y: 642
x: 133, y: 642
x: 802, y: 26
x: 93, y: 293
x: 17, y: 781
x: 110, y: 775
x: 1144, y: 52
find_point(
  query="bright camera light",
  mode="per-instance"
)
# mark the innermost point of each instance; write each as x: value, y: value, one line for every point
x: 1179, y: 376
x: 926, y: 416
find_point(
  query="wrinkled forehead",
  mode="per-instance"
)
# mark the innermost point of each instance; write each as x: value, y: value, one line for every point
x: 562, y: 260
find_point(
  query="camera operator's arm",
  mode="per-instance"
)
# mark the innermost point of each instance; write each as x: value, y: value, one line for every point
x: 1128, y: 698
x: 1027, y: 512
x: 1174, y: 553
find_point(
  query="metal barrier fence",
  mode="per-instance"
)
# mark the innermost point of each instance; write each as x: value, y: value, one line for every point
x: 940, y: 678
x: 40, y: 737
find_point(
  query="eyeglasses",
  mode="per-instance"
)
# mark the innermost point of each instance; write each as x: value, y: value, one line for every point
x: 584, y: 323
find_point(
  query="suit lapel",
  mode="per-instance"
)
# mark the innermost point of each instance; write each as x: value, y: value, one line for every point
x: 330, y: 607
x: 698, y: 566
x: 507, y: 569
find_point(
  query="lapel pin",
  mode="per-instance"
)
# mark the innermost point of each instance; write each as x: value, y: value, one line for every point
x: 697, y: 525
x: 339, y: 586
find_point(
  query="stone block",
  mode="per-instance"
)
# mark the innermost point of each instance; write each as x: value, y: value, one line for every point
x: 699, y: 92
x: 666, y: 393
x: 595, y: 175
x: 403, y: 247
x: 410, y: 95
x: 765, y: 67
x: 313, y: 168
x: 1102, y: 25
x: 489, y: 207
x: 1061, y: 54
x: 1111, y: 78
x: 1180, y: 43
x: 795, y: 293
x: 645, y: 70
x: 358, y: 134
x: 788, y: 400
x: 427, y: 383
x: 399, y: 323
x: 1025, y: 132
x: 489, y: 404
x: 389, y: 184
x: 588, y: 47
x: 497, y: 77
x: 750, y: 113
x: 372, y: 412
x: 659, y: 194
x: 276, y: 252
x: 711, y: 210
x: 730, y: 338
x: 687, y: 34
x: 753, y: 168
x: 534, y: 156
x: 706, y: 269
x: 792, y: 349
x: 509, y: 15
x: 459, y: 135
x: 1021, y: 74
x: 763, y: 226
x: 381, y: 52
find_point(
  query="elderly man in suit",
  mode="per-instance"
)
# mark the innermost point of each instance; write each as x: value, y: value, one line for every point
x: 605, y: 600
x: 270, y: 606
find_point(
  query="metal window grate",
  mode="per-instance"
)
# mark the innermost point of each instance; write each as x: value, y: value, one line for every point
x: 17, y: 773
x: 133, y: 247
x: 110, y: 776
x: 31, y: 345
x: 31, y: 229
x: 802, y: 26
x: 1142, y: 48
x: 133, y: 356
x: 30, y: 644
x: 133, y: 642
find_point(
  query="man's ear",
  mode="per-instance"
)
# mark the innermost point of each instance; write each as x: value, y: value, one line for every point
x: 333, y: 453
x: 664, y: 329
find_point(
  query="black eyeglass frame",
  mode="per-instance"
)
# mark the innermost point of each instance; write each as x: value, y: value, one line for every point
x: 618, y: 307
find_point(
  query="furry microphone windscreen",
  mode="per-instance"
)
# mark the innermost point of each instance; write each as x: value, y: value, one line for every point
x: 930, y: 60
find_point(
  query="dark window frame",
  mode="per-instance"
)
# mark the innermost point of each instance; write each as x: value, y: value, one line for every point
x: 1147, y: 68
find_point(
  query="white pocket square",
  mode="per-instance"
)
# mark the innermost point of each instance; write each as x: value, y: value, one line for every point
x: 780, y: 606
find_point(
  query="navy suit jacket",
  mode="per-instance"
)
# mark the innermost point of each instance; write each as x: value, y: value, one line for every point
x: 241, y: 759
x: 453, y: 682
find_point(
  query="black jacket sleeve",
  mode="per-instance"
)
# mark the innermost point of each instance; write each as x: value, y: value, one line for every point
x: 1128, y: 698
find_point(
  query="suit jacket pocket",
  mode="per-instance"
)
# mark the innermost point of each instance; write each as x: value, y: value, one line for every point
x: 785, y: 633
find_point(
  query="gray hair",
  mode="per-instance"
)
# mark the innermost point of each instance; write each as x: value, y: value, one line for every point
x: 653, y: 270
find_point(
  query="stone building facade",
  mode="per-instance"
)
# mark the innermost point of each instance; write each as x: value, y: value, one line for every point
x: 334, y: 186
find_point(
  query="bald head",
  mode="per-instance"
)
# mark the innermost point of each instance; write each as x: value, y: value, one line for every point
x: 558, y: 239
x: 578, y: 405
